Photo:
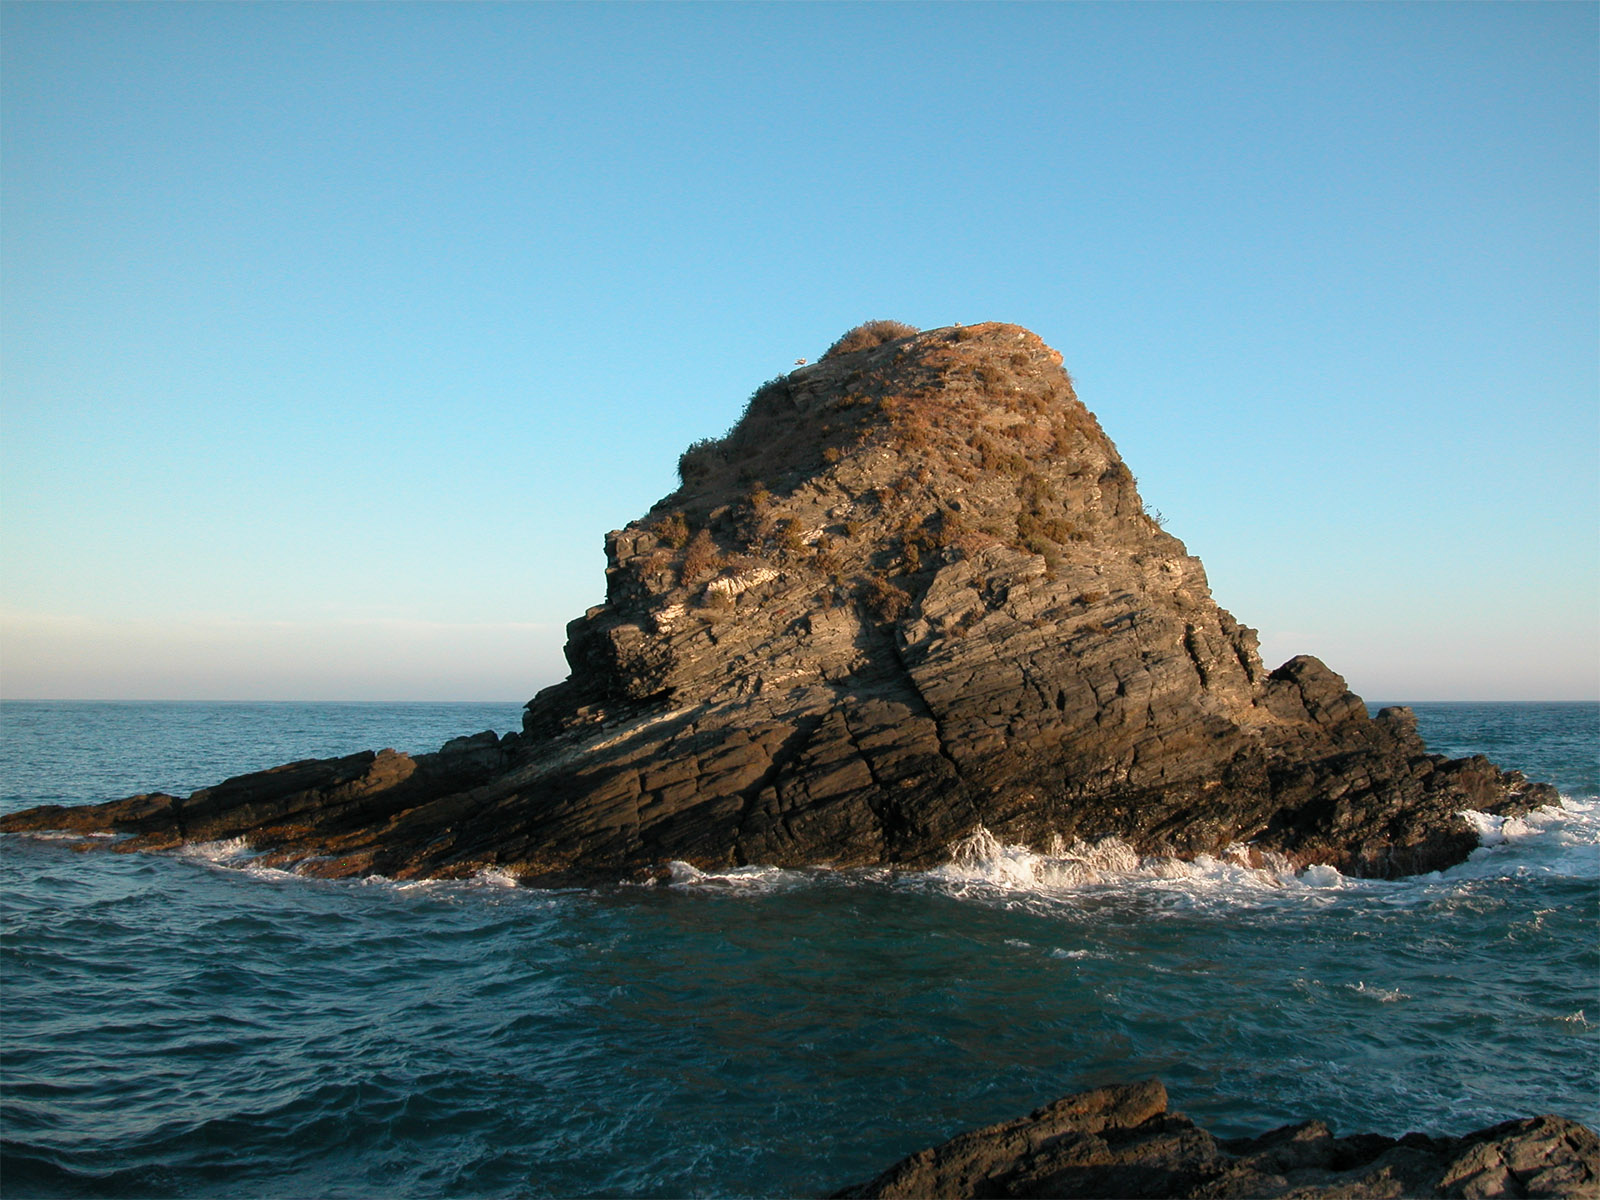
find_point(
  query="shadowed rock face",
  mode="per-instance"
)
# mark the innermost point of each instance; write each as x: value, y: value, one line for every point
x: 1122, y: 1141
x: 913, y: 591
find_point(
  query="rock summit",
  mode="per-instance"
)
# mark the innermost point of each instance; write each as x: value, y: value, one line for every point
x: 912, y: 594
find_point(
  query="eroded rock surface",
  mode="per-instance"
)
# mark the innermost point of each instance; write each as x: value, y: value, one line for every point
x: 914, y: 591
x: 1123, y: 1141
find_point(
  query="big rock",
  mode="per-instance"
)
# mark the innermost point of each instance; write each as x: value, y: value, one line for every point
x: 911, y: 594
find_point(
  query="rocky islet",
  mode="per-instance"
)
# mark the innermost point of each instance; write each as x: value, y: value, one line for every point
x: 912, y: 594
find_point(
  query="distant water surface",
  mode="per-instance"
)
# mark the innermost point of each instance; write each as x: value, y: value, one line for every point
x: 190, y: 1025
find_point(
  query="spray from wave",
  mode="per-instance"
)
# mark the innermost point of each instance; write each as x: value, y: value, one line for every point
x: 981, y: 859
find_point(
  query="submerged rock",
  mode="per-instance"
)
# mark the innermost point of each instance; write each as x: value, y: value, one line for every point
x: 913, y: 592
x: 1123, y: 1141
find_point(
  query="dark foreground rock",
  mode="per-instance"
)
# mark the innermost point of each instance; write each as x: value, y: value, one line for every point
x: 1124, y: 1142
x: 912, y: 593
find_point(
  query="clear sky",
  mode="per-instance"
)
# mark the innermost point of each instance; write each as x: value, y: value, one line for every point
x: 336, y: 336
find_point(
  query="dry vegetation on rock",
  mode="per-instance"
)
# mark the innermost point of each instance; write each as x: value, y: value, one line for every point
x: 869, y: 334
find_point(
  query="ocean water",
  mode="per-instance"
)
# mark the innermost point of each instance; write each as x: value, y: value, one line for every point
x: 188, y: 1025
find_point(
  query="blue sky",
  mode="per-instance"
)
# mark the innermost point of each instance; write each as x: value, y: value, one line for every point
x: 336, y: 336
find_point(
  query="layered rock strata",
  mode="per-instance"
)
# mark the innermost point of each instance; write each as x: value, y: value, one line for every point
x: 912, y: 592
x: 1123, y: 1141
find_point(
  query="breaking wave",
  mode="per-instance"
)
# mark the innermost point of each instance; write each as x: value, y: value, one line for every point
x: 981, y: 863
x: 1559, y: 840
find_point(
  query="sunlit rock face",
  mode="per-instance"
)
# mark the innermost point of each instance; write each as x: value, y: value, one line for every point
x: 913, y: 592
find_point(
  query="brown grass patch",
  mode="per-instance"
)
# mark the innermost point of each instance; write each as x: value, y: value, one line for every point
x: 869, y: 334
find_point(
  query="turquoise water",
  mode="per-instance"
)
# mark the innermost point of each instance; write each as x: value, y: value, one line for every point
x: 188, y: 1025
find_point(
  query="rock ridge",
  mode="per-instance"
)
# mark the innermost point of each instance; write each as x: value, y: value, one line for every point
x: 912, y: 592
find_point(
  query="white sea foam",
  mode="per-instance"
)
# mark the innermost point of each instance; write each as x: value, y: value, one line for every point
x: 1572, y: 822
x: 494, y: 877
x: 980, y: 857
x: 1320, y: 875
x: 751, y: 878
x: 981, y: 862
x: 234, y: 854
x: 1381, y: 995
x: 230, y: 852
x: 491, y: 879
x: 1558, y: 839
x: 405, y: 885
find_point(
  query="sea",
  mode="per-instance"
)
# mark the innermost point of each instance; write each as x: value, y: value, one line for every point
x: 191, y: 1024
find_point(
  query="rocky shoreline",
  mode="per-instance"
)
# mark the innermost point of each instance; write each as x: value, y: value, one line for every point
x: 1123, y: 1141
x: 912, y: 593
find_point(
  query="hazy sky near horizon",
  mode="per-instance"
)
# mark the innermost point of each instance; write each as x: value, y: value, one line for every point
x: 336, y: 336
